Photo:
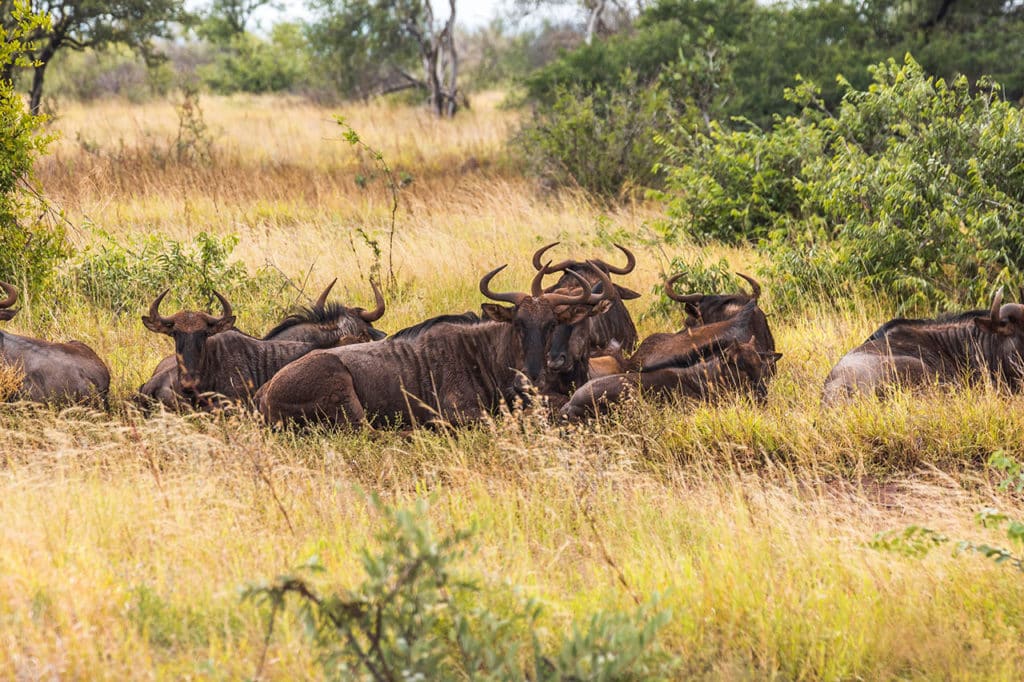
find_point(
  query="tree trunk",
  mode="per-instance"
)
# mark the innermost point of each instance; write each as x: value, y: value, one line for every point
x: 36, y: 94
x: 594, y: 23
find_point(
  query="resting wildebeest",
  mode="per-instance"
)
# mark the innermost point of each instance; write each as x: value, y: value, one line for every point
x: 52, y: 372
x: 323, y: 324
x: 448, y: 372
x: 693, y: 344
x: 703, y: 309
x: 732, y: 368
x: 213, y: 358
x: 969, y: 346
x: 615, y: 325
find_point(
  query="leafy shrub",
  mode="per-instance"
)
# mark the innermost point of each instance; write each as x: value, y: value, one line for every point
x: 416, y: 617
x: 112, y: 72
x: 124, y: 277
x: 601, y: 141
x: 914, y: 190
x: 30, y: 247
x: 699, y: 276
x: 251, y: 64
x: 736, y: 185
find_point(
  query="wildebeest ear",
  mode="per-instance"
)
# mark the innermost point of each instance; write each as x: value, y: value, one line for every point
x: 1001, y: 327
x: 157, y: 325
x: 775, y: 357
x: 626, y: 294
x: 7, y: 314
x: 223, y: 324
x: 498, y: 313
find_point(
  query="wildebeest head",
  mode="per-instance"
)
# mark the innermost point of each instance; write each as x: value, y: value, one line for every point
x: 6, y: 312
x: 708, y: 308
x: 753, y: 367
x: 190, y: 330
x: 1006, y: 322
x: 589, y: 269
x: 543, y: 322
x: 324, y: 321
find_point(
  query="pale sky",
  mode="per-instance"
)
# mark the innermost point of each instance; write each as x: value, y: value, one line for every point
x: 471, y: 13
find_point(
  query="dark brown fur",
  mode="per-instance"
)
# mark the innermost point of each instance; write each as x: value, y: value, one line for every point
x: 615, y: 325
x: 323, y: 325
x: 966, y: 347
x: 737, y: 367
x: 53, y: 372
x: 449, y: 371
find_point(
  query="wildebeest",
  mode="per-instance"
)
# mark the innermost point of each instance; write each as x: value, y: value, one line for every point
x: 736, y: 367
x: 969, y: 346
x: 704, y: 309
x: 613, y: 326
x: 52, y: 372
x: 453, y: 372
x: 213, y: 358
x: 322, y: 324
x: 695, y: 344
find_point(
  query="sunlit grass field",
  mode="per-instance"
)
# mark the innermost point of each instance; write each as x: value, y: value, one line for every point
x: 125, y: 540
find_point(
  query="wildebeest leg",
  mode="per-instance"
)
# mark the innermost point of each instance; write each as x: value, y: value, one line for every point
x: 594, y: 396
x: 316, y: 388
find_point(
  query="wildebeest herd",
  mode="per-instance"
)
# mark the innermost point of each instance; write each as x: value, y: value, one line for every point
x: 571, y: 345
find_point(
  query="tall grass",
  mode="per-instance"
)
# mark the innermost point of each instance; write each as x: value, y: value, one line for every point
x: 125, y: 540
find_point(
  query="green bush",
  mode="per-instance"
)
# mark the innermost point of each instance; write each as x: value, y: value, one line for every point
x: 601, y: 141
x: 32, y: 240
x: 698, y: 276
x: 123, y: 277
x: 249, y: 63
x: 112, y: 72
x: 913, y: 190
x: 416, y: 617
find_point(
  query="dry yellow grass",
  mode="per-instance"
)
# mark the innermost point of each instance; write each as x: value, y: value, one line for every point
x: 125, y: 540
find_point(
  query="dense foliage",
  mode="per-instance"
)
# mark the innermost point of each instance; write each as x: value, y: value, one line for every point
x: 914, y: 189
x: 29, y: 246
x: 598, y: 140
x: 768, y: 43
x: 118, y: 276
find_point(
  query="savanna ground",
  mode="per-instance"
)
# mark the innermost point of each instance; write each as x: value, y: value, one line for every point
x: 125, y: 541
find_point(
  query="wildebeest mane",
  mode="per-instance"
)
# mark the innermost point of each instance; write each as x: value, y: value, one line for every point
x: 944, y: 318
x: 468, y: 317
x: 332, y: 312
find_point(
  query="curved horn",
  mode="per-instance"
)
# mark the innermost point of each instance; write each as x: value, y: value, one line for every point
x: 997, y: 304
x: 12, y: 295
x: 671, y: 292
x: 322, y: 301
x: 154, y: 310
x: 376, y: 313
x: 225, y: 306
x: 485, y: 288
x: 536, y: 287
x: 537, y: 264
x: 588, y: 296
x: 624, y: 270
x: 573, y: 299
x: 754, y: 286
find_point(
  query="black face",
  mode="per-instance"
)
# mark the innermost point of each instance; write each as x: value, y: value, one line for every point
x: 554, y: 337
x: 190, y: 330
x: 188, y: 349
